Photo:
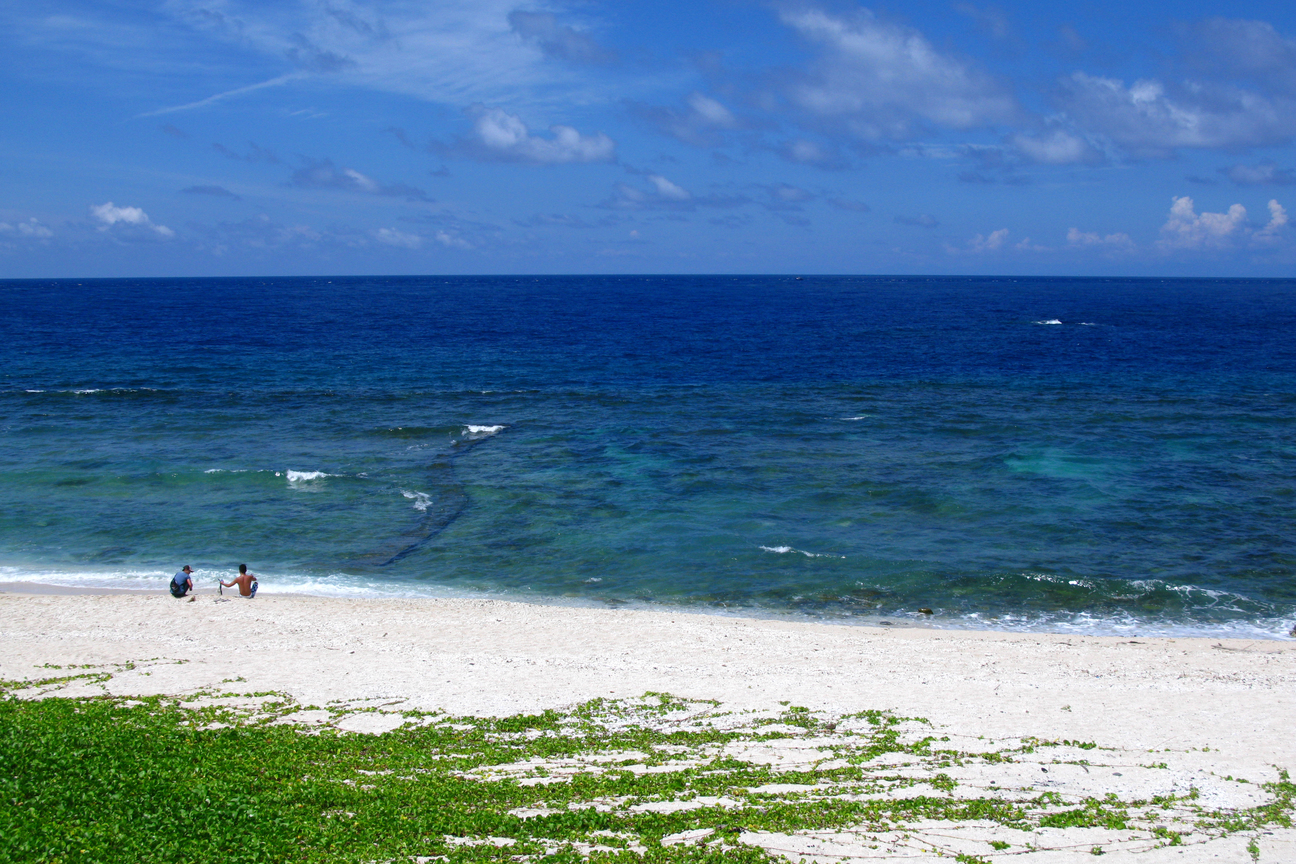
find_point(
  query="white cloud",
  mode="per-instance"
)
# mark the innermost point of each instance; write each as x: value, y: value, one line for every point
x: 452, y: 241
x: 880, y: 78
x: 323, y: 174
x: 456, y: 52
x: 1277, y: 221
x: 667, y: 189
x: 1118, y: 242
x: 392, y: 237
x: 1187, y: 229
x: 32, y: 229
x: 806, y: 152
x: 557, y: 40
x: 1147, y: 120
x: 1253, y: 49
x: 1058, y: 147
x: 505, y: 136
x: 710, y: 111
x: 993, y: 243
x: 1264, y: 174
x: 111, y: 215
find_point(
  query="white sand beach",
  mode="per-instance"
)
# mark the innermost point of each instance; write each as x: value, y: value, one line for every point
x: 1206, y: 709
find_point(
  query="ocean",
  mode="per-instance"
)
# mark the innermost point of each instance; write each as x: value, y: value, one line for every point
x: 1069, y: 455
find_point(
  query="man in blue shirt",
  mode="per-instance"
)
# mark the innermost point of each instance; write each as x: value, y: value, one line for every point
x: 181, y: 583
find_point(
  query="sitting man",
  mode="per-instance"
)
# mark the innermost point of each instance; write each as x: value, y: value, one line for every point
x: 181, y: 583
x: 246, y: 582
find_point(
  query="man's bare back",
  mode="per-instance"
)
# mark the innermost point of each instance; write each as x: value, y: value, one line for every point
x: 246, y: 582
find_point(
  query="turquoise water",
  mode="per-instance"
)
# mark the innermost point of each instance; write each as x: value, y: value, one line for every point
x: 1094, y: 455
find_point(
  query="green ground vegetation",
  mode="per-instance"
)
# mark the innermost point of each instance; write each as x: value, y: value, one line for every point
x: 224, y: 779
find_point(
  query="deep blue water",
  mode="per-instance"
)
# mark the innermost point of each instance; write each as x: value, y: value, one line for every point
x: 1095, y: 454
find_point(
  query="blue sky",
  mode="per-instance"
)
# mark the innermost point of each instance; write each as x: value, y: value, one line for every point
x: 229, y: 137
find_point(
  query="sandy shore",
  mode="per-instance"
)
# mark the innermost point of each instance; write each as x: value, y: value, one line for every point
x: 1210, y: 708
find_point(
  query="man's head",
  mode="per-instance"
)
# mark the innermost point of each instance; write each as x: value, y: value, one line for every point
x: 242, y: 569
x: 185, y: 569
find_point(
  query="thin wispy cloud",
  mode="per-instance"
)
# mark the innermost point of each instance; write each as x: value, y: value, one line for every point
x: 892, y: 139
x: 220, y: 97
x: 880, y: 80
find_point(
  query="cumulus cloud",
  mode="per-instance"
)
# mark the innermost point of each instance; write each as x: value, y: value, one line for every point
x: 556, y: 40
x: 1277, y: 222
x: 31, y: 229
x: 1264, y: 174
x: 392, y: 237
x: 993, y: 243
x: 1187, y: 229
x: 323, y: 174
x: 1146, y: 119
x: 1118, y: 242
x: 880, y: 80
x: 109, y: 216
x: 503, y: 136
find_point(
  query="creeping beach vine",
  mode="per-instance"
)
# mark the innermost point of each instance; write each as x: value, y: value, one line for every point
x: 222, y: 776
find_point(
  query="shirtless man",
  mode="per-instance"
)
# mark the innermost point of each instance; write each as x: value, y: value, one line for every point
x: 246, y: 582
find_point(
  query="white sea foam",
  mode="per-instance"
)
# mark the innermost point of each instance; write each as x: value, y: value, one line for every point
x: 306, y: 476
x: 1087, y: 324
x: 476, y: 433
x: 421, y: 499
x: 86, y: 391
x: 345, y: 585
x: 1050, y: 321
x: 785, y: 550
x: 860, y: 417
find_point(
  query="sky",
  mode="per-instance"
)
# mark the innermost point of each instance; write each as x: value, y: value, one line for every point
x: 335, y: 137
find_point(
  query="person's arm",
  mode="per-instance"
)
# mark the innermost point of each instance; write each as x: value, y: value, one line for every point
x: 225, y: 584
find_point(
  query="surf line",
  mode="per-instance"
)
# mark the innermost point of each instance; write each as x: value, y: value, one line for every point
x: 448, y: 499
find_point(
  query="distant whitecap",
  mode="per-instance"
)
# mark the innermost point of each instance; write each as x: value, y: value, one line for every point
x: 305, y: 476
x: 421, y: 499
x: 476, y: 433
x: 784, y: 550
